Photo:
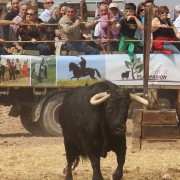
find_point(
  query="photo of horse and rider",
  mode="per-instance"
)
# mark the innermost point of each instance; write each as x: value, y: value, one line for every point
x: 43, y: 71
x: 80, y: 70
x: 14, y: 70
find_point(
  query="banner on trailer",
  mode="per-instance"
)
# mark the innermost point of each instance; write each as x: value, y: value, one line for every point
x: 80, y: 70
x: 69, y: 71
x: 163, y: 69
x: 15, y: 70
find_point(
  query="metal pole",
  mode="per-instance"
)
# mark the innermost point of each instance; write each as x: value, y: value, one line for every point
x: 147, y: 46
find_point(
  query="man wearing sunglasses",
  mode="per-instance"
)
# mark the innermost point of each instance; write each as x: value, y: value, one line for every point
x: 46, y: 15
x: 23, y: 7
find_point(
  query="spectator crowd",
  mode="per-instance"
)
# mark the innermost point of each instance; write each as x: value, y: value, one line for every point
x: 59, y: 28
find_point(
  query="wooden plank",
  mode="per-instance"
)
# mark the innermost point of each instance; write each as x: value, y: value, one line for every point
x: 136, y: 131
x: 63, y: 52
x: 160, y: 144
x: 137, y: 116
x: 76, y: 53
x: 160, y: 132
x: 136, y: 144
x: 73, y: 53
x: 30, y: 52
x: 159, y: 117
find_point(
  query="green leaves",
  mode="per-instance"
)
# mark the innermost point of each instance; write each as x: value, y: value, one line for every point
x: 139, y: 68
x: 128, y: 64
x: 135, y: 67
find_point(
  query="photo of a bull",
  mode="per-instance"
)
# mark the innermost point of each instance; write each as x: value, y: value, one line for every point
x: 125, y: 75
x: 93, y: 120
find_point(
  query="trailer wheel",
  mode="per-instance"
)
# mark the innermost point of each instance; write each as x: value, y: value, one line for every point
x: 50, y: 115
x: 33, y: 127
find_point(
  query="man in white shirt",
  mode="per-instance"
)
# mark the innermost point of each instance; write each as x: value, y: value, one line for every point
x: 46, y: 15
x: 177, y: 21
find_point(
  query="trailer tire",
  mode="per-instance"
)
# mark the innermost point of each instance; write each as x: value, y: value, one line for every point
x: 50, y: 115
x: 33, y: 127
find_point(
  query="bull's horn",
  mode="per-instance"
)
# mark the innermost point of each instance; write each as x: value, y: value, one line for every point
x: 138, y: 99
x: 99, y: 98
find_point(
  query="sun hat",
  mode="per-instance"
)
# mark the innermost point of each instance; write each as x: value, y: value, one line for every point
x: 113, y: 5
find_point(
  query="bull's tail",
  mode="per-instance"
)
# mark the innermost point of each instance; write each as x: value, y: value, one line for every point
x: 75, y: 164
x: 97, y: 72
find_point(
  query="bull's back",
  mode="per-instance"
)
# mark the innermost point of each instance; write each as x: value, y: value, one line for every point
x: 70, y: 114
x: 76, y: 111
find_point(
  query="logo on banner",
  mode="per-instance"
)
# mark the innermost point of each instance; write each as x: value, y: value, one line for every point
x: 136, y: 68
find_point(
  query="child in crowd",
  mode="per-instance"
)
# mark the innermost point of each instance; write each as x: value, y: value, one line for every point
x: 128, y: 26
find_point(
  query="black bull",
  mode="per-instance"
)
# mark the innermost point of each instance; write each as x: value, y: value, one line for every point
x: 94, y: 124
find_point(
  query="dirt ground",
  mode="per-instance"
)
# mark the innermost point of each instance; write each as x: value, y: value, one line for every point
x: 23, y: 157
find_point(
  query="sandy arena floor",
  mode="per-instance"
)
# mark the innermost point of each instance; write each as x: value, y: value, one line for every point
x: 23, y: 157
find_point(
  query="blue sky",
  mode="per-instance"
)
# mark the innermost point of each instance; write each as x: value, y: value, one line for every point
x: 92, y: 61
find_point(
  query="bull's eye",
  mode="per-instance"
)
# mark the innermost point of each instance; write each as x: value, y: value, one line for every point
x: 109, y: 109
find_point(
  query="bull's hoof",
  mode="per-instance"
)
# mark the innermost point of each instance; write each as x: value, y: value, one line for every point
x: 65, y: 170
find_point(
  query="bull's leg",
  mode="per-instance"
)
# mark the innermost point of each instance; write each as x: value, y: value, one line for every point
x: 120, y: 154
x: 95, y: 163
x: 71, y: 154
x: 104, y: 135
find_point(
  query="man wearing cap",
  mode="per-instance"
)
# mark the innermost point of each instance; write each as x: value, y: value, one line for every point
x: 113, y: 17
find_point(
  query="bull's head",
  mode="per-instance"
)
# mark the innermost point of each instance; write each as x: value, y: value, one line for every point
x: 116, y: 108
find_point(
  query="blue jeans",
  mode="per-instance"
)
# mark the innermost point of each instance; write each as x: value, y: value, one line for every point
x: 3, y: 51
x: 80, y: 46
x: 171, y: 47
x: 42, y: 48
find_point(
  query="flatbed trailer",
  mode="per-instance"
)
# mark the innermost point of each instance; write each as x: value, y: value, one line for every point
x: 37, y: 94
